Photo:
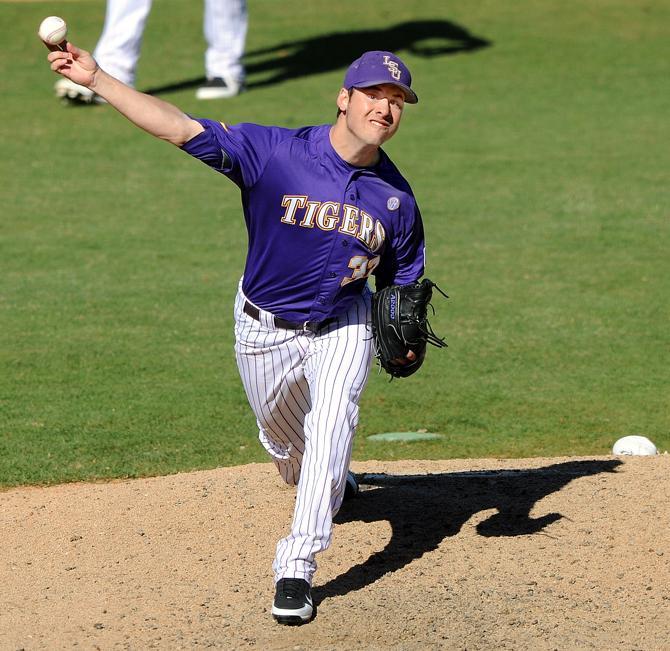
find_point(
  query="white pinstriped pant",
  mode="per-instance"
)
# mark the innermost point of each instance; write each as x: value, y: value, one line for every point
x: 304, y: 389
x: 224, y: 25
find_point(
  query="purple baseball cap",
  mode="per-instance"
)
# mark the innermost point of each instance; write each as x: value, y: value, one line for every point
x: 378, y: 67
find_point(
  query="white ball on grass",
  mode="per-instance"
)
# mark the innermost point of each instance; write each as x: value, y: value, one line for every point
x: 635, y: 446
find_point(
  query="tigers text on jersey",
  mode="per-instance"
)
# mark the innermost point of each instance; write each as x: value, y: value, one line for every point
x: 318, y: 226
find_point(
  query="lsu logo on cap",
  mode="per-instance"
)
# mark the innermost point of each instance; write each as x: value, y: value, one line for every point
x: 392, y: 66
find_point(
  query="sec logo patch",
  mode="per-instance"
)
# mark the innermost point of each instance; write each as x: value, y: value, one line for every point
x: 393, y: 203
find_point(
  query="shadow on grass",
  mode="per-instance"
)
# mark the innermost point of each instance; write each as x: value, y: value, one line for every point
x: 328, y: 52
x: 424, y: 509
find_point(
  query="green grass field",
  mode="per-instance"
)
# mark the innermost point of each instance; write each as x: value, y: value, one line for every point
x: 541, y: 164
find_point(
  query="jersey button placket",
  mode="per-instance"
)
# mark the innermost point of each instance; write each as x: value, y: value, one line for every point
x: 326, y: 291
x: 351, y: 197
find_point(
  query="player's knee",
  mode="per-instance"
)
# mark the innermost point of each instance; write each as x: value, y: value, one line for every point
x: 289, y: 471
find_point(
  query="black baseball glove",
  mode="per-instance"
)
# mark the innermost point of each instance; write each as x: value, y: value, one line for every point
x: 400, y: 324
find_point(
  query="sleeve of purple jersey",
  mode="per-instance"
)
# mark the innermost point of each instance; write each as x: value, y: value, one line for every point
x: 239, y: 151
x: 409, y: 250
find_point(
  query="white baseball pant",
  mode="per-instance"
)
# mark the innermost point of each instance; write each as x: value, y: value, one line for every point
x: 225, y: 29
x: 304, y: 389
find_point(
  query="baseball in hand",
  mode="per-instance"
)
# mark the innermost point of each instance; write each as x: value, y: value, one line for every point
x: 53, y: 31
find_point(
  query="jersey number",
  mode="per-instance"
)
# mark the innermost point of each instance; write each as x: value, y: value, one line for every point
x: 362, y: 267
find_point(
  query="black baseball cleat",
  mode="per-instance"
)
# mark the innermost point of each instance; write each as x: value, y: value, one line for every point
x: 219, y: 88
x: 351, y: 487
x: 293, y: 602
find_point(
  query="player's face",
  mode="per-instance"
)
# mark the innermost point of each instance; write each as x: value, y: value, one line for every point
x: 373, y: 114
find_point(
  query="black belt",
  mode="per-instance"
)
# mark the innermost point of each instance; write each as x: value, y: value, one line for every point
x: 312, y: 326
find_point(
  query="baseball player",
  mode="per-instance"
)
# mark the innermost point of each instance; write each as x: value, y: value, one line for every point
x: 118, y: 49
x: 325, y: 208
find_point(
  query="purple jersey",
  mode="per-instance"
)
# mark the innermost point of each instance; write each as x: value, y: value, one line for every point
x: 318, y: 226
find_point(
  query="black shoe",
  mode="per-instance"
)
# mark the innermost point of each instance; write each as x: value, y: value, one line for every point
x: 293, y: 602
x: 219, y: 88
x: 351, y: 487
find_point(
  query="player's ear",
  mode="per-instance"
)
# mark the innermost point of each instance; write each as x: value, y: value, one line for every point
x: 343, y: 100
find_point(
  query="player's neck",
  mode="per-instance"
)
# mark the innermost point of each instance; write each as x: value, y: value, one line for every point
x: 352, y: 150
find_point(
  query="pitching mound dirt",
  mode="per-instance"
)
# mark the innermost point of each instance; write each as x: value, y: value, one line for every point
x: 490, y: 554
